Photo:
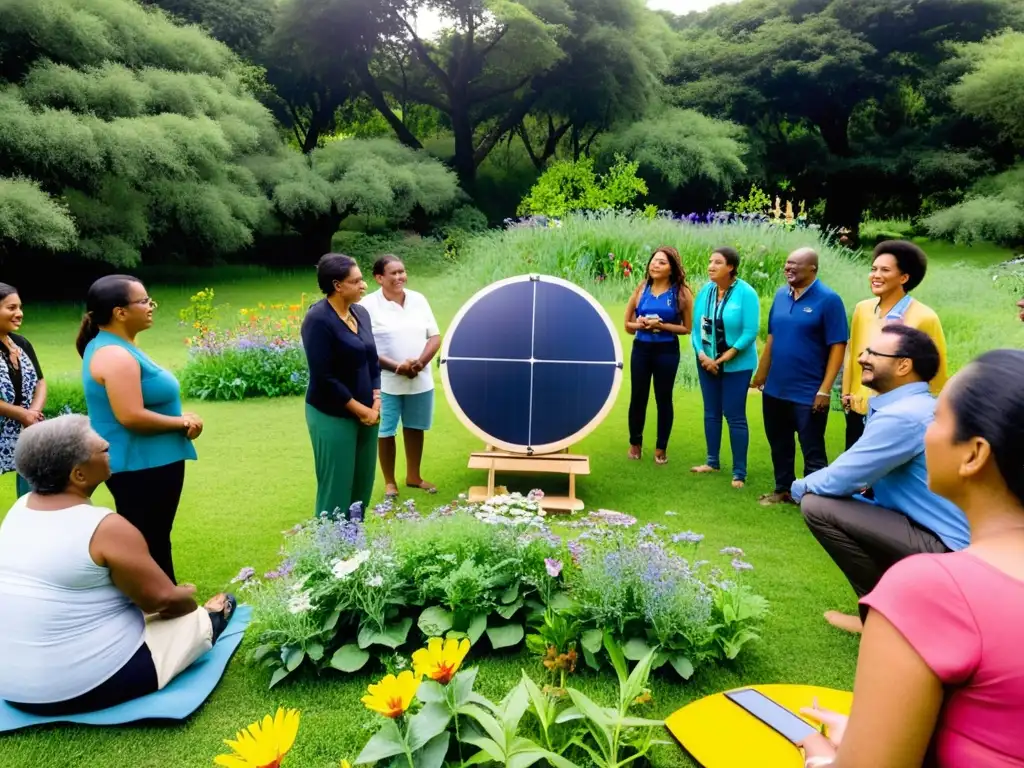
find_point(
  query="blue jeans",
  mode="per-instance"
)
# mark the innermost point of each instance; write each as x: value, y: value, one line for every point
x: 726, y: 394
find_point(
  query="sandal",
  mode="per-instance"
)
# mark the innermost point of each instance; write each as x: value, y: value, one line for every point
x: 219, y: 619
x: 704, y: 469
x: 636, y: 452
x: 423, y: 485
x: 737, y: 483
x: 391, y: 494
x: 662, y: 459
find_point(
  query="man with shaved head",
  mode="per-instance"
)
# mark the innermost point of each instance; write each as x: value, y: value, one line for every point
x: 807, y: 333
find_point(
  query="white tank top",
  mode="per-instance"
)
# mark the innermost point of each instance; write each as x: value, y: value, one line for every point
x: 65, y: 627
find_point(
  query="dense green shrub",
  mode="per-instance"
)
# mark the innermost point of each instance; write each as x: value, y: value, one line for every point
x: 420, y: 253
x: 64, y: 395
x: 878, y: 230
x: 568, y: 187
x: 996, y: 219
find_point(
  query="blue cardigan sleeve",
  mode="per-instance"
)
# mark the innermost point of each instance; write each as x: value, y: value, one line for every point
x: 751, y: 309
x: 696, y: 333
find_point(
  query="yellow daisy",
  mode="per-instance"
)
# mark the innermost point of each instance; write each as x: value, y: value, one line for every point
x: 392, y: 695
x: 262, y: 745
x: 441, y: 659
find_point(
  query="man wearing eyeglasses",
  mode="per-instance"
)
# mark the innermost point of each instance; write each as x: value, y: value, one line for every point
x: 865, y: 537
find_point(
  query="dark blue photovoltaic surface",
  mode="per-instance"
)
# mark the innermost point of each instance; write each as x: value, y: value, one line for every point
x: 572, y: 376
x: 566, y: 398
x: 494, y: 395
x: 569, y: 328
x: 499, y: 325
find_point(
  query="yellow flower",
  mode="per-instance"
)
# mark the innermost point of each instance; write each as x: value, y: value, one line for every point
x: 441, y: 659
x: 263, y: 745
x: 243, y: 312
x: 345, y: 764
x: 392, y: 695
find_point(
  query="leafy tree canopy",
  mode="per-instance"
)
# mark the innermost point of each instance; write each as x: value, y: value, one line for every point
x: 138, y: 129
x: 993, y: 89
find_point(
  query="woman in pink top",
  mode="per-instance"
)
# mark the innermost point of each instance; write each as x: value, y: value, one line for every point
x: 940, y: 677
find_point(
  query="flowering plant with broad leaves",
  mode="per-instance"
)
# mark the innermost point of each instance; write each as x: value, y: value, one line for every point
x: 347, y: 594
x: 259, y: 355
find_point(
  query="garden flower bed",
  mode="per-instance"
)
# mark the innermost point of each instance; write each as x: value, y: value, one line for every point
x: 353, y: 597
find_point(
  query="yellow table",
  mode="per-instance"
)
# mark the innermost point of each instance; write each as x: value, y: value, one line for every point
x: 720, y: 734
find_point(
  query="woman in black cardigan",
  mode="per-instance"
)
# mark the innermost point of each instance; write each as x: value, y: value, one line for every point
x: 343, y: 398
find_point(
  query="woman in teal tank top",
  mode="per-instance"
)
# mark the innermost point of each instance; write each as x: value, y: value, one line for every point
x: 135, y: 405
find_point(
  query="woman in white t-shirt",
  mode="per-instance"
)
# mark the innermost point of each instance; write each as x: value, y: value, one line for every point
x: 407, y: 338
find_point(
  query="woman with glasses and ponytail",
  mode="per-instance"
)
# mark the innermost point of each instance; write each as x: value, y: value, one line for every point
x: 135, y: 405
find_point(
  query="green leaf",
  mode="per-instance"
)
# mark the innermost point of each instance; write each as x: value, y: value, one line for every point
x: 597, y: 716
x: 527, y: 757
x: 508, y: 611
x: 536, y: 644
x: 539, y: 701
x: 349, y: 658
x: 427, y: 723
x: 562, y: 602
x: 591, y: 640
x: 260, y: 652
x: 516, y: 704
x: 332, y: 620
x: 568, y: 715
x: 384, y: 743
x: 365, y: 636
x: 433, y: 753
x: 392, y: 636
x: 592, y: 659
x: 294, y: 658
x: 430, y: 691
x: 279, y: 674
x: 660, y: 660
x: 486, y: 721
x: 462, y: 685
x: 682, y: 665
x: 434, y: 621
x: 635, y: 649
x: 510, y: 594
x: 505, y: 636
x: 477, y: 627
x: 315, y: 651
x: 638, y: 677
x: 618, y: 660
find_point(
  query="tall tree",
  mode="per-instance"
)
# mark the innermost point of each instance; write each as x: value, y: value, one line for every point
x: 135, y: 130
x: 834, y: 65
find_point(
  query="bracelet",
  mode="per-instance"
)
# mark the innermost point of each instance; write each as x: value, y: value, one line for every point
x: 824, y: 394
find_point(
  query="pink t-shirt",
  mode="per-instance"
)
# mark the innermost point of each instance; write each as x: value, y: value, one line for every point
x: 965, y: 618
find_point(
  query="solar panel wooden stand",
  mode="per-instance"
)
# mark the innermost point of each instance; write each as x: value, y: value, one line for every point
x: 563, y: 463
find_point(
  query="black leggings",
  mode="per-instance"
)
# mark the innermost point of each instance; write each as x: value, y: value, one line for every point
x: 658, y: 360
x: 148, y: 499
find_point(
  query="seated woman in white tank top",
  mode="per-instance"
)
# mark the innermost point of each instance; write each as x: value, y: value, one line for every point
x: 90, y: 620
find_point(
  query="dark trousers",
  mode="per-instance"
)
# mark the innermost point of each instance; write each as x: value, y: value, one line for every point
x: 854, y: 428
x: 865, y: 540
x: 658, y: 360
x: 726, y: 395
x: 784, y: 419
x: 136, y: 678
x: 148, y: 499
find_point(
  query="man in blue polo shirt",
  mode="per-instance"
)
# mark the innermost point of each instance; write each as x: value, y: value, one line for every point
x: 807, y: 334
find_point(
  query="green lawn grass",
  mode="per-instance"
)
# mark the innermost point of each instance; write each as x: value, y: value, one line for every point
x: 254, y: 479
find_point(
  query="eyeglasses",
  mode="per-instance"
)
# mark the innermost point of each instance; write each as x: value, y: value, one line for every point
x: 872, y: 353
x: 145, y: 302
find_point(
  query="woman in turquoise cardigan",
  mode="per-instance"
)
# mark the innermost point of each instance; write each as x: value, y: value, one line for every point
x: 135, y: 405
x: 727, y: 315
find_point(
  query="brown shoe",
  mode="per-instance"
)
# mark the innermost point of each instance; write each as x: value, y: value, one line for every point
x: 771, y: 499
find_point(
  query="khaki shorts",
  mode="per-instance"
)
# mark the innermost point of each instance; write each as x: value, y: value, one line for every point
x: 176, y: 643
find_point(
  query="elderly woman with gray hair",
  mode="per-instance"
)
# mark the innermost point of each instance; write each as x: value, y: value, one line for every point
x: 90, y: 620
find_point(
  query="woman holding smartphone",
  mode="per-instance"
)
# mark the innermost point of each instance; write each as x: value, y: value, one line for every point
x: 658, y: 313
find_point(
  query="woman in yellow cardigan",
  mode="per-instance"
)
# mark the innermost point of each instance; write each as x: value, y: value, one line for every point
x: 898, y: 267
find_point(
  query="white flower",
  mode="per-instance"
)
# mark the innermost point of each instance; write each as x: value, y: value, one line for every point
x: 375, y: 581
x: 298, y: 585
x: 344, y: 568
x: 300, y: 603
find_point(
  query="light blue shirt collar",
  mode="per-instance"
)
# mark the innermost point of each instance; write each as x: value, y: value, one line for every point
x: 878, y: 402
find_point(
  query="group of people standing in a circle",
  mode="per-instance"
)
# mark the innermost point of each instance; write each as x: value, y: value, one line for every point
x: 809, y: 344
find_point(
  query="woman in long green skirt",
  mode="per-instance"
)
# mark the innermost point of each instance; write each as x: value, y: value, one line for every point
x: 343, y: 397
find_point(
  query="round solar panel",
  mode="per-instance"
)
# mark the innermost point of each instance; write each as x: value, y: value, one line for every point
x: 531, y: 364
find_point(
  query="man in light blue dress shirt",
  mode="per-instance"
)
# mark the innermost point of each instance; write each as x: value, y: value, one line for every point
x: 903, y: 517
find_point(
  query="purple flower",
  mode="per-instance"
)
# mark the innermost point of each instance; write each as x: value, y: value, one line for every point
x: 244, y: 575
x: 688, y: 537
x: 576, y: 550
x: 554, y: 567
x: 741, y: 565
x: 731, y: 551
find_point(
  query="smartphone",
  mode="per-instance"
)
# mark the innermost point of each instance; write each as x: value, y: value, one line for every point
x: 772, y: 714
